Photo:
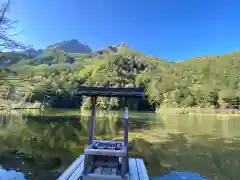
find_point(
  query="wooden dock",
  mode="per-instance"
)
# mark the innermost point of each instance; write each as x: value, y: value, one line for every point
x: 106, y: 160
x: 137, y: 171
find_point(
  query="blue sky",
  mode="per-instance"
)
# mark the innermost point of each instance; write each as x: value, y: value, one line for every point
x: 169, y: 29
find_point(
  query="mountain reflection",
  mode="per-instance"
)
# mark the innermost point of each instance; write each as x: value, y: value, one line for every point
x: 43, y: 146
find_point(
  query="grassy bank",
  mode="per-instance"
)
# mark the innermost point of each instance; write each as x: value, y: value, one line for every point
x: 13, y: 105
x: 197, y: 110
x: 20, y: 112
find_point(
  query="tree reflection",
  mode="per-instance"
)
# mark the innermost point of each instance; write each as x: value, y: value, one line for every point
x: 43, y: 146
x: 214, y: 158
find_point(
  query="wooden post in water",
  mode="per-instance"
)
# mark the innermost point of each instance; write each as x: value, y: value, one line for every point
x: 126, y: 123
x: 92, y: 120
x: 125, y: 158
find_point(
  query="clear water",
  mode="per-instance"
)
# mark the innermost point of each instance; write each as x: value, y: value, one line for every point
x: 41, y: 147
x: 11, y: 175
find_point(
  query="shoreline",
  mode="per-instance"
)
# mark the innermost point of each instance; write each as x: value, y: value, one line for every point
x: 163, y: 111
x: 198, y: 111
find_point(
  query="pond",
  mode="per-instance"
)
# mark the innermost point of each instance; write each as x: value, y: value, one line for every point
x: 41, y: 147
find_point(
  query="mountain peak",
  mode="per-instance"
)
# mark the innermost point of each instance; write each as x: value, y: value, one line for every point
x: 71, y: 46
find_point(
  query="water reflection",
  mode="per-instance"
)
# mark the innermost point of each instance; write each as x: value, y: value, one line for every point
x: 42, y: 147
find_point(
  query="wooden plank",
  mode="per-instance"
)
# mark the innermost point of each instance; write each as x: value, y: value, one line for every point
x: 77, y: 173
x: 133, y: 171
x: 70, y: 170
x: 137, y: 171
x: 107, y: 141
x: 114, y: 171
x: 119, y: 143
x: 109, y: 91
x: 108, y: 145
x: 106, y: 171
x: 98, y: 170
x: 108, y: 164
x: 106, y: 152
x: 89, y: 169
x: 102, y: 177
x: 142, y: 169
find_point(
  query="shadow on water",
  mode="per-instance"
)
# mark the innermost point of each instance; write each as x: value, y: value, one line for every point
x: 43, y: 146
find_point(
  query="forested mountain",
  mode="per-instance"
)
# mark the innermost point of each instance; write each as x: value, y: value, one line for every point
x: 207, y: 81
x: 71, y: 46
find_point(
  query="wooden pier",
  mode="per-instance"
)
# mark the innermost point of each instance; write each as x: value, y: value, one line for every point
x: 106, y: 160
x: 137, y: 171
